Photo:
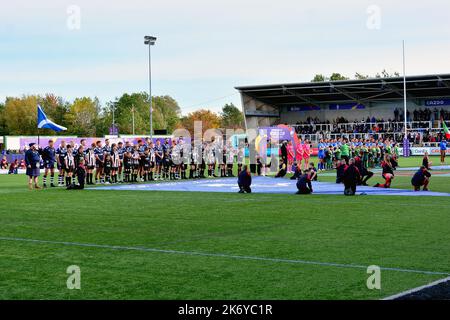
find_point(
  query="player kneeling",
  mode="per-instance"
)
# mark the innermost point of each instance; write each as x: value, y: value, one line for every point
x: 351, y: 178
x: 304, y: 185
x: 244, y: 181
x: 388, y: 172
x: 421, y: 178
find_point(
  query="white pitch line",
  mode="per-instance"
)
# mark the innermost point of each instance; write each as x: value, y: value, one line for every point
x: 220, y: 255
x: 407, y: 292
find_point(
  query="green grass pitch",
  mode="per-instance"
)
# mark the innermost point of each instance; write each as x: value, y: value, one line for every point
x: 391, y: 232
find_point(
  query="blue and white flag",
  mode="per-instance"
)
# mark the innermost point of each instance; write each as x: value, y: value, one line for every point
x: 45, y: 123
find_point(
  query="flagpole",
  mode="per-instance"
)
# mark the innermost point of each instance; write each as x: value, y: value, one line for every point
x: 406, y: 149
x: 404, y: 90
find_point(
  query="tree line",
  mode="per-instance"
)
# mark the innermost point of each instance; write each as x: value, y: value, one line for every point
x: 336, y: 76
x: 86, y: 116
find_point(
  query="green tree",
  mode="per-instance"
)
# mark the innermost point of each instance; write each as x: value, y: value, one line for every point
x: 337, y: 77
x: 20, y: 115
x: 360, y: 76
x: 3, y: 127
x: 209, y: 119
x: 319, y: 78
x: 166, y: 113
x: 386, y: 74
x: 55, y: 107
x: 82, y: 116
x: 231, y: 117
x: 123, y: 113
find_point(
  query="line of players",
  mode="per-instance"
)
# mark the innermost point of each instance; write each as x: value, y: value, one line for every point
x: 145, y: 161
x: 371, y: 151
x: 364, y: 154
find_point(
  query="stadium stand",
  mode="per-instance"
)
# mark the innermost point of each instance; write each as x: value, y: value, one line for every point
x: 355, y: 108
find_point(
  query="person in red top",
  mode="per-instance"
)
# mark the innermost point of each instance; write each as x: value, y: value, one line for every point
x: 426, y: 161
x: 387, y: 174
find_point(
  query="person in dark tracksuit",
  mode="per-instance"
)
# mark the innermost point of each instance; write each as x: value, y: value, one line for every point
x: 340, y: 167
x: 351, y: 178
x: 365, y: 174
x: 421, y: 178
x: 49, y: 157
x: 304, y: 185
x: 297, y: 172
x: 282, y: 170
x: 244, y: 181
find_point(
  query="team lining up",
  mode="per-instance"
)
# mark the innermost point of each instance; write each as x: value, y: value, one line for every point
x: 145, y: 161
x: 170, y: 160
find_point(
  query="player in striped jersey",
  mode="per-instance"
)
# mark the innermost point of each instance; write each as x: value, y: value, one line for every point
x: 152, y: 160
x: 193, y: 173
x: 230, y: 153
x: 240, y: 156
x: 121, y: 150
x: 90, y: 164
x: 176, y: 160
x: 70, y: 166
x: 61, y: 161
x: 136, y: 159
x: 115, y: 158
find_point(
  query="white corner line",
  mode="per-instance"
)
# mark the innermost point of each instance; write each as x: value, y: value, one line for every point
x: 407, y: 292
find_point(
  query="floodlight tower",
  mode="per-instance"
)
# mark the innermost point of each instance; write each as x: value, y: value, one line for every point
x: 150, y: 41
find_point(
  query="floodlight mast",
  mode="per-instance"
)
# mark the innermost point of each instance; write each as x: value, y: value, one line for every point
x: 150, y: 41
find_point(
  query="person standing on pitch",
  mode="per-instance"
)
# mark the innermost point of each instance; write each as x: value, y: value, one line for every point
x: 345, y: 151
x: 443, y: 148
x: 49, y: 157
x: 32, y: 161
x: 80, y: 171
x: 244, y: 180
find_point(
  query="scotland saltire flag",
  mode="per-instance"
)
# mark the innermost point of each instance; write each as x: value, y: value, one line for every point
x: 45, y: 123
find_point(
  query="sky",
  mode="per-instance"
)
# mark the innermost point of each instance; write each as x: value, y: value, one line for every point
x: 206, y: 48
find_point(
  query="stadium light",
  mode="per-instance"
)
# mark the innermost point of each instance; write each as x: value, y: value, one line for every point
x: 150, y: 41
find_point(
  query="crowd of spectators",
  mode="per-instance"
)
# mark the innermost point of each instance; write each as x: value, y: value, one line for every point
x: 421, y: 119
x: 430, y: 115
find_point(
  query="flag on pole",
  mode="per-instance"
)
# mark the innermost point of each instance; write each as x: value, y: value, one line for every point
x: 446, y: 131
x: 45, y: 123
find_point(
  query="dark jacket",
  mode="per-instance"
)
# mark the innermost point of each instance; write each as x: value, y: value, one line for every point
x: 304, y: 183
x: 419, y: 177
x: 351, y: 175
x: 32, y: 158
x: 244, y: 179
